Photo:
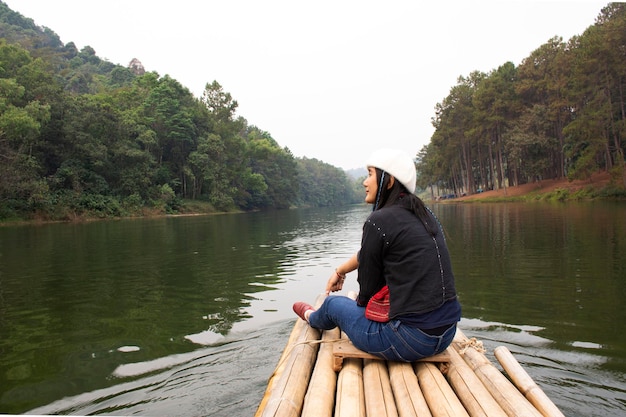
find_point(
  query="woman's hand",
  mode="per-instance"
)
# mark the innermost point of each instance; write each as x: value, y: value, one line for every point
x: 335, y: 282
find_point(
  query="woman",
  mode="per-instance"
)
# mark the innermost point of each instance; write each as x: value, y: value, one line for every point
x: 403, y: 247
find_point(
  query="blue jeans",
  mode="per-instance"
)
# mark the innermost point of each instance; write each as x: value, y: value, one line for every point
x: 392, y: 341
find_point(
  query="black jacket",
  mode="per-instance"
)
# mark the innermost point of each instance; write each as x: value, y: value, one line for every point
x: 397, y: 250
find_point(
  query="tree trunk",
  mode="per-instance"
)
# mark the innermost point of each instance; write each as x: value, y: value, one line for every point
x: 501, y: 170
x: 492, y: 167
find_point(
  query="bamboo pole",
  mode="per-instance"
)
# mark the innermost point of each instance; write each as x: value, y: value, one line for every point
x: 295, y: 333
x: 350, y: 400
x: 470, y: 390
x: 525, y: 383
x: 406, y: 389
x: 288, y: 392
x: 441, y: 399
x: 320, y: 397
x: 350, y: 394
x: 286, y: 395
x: 379, y: 400
x: 503, y: 391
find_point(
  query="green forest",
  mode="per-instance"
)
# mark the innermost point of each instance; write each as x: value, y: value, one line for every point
x: 560, y: 114
x: 81, y: 137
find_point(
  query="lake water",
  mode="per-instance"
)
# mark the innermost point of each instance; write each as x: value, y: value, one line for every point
x: 188, y: 316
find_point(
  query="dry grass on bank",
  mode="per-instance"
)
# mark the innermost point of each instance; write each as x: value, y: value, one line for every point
x: 538, y: 189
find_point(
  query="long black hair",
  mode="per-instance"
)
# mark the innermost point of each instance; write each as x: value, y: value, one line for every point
x: 388, y: 196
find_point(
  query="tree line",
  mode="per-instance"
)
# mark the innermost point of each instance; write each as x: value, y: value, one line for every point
x: 560, y: 114
x: 80, y: 136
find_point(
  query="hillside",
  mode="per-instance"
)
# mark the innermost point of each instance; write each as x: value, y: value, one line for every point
x: 558, y: 113
x: 597, y: 181
x: 81, y: 137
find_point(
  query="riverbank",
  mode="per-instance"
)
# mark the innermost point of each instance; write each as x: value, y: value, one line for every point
x: 598, y: 186
x: 186, y: 208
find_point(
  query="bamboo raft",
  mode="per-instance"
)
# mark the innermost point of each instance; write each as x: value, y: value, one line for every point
x: 323, y: 374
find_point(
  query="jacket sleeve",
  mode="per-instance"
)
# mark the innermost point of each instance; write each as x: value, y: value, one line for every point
x: 371, y: 278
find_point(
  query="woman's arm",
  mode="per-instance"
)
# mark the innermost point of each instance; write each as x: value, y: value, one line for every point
x: 335, y: 282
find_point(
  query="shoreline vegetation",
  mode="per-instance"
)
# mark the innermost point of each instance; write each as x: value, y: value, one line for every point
x: 189, y: 208
x: 598, y: 187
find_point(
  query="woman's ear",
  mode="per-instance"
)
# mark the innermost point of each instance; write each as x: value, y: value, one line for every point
x: 392, y: 179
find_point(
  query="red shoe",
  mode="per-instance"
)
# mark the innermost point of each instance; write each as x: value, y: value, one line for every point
x: 300, y: 308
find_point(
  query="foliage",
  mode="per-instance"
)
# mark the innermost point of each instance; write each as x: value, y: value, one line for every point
x: 560, y: 113
x: 323, y: 185
x: 82, y: 137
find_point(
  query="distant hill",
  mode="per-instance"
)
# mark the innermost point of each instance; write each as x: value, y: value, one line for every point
x: 356, y: 173
x: 81, y: 137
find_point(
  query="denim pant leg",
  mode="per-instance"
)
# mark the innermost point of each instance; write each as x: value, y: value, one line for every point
x: 337, y: 310
x: 392, y: 341
x: 410, y: 344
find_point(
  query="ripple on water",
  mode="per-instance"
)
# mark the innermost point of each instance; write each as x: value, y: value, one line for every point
x: 185, y: 384
x: 574, y: 379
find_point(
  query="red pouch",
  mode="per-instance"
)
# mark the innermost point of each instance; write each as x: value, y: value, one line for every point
x: 377, y: 308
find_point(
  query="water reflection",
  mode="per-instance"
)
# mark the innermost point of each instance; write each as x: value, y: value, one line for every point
x: 79, y: 301
x: 555, y: 266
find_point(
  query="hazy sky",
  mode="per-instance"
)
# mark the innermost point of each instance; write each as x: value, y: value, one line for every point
x: 331, y: 80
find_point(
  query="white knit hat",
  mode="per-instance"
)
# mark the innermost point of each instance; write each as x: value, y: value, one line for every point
x: 397, y: 163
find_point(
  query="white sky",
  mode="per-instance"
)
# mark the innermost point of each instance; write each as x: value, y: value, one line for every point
x: 331, y: 80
